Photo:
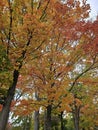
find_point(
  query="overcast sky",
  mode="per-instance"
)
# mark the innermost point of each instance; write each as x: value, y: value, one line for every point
x: 94, y: 7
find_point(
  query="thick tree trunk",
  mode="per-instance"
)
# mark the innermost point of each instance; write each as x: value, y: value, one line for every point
x: 6, y: 107
x: 36, y: 120
x: 5, y: 114
x: 48, y: 124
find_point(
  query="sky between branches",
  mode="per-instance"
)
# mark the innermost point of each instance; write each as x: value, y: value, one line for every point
x: 94, y: 7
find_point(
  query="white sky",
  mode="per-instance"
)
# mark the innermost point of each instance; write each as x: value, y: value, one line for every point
x: 94, y: 7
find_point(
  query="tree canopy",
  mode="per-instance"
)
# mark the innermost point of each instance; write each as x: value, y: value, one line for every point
x: 48, y: 59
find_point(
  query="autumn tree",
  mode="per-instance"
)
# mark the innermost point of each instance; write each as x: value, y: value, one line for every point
x: 44, y: 41
x: 85, y: 74
x: 52, y: 73
x: 22, y: 32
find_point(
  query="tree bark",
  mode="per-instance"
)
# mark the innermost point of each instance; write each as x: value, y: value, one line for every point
x: 36, y: 120
x: 6, y: 107
x: 61, y: 118
x: 48, y: 124
x: 76, y: 118
x: 45, y: 125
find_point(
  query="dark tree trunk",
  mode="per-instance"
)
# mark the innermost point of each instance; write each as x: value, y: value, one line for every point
x: 61, y: 118
x: 48, y: 124
x: 49, y: 117
x: 6, y: 107
x: 36, y: 120
x: 5, y: 114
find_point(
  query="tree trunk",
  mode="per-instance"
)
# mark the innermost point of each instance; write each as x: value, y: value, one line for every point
x: 5, y: 114
x: 27, y: 123
x: 61, y: 118
x: 36, y: 114
x: 48, y: 124
x: 36, y: 120
x: 45, y: 125
x: 76, y: 123
x: 76, y: 118
x: 6, y: 107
